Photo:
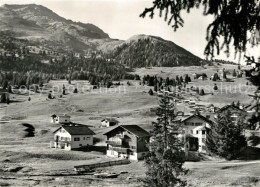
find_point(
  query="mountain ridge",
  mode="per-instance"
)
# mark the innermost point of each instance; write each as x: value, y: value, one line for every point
x: 36, y: 22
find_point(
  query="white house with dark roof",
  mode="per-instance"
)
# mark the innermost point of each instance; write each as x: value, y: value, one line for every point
x: 128, y: 142
x: 72, y: 136
x: 107, y: 122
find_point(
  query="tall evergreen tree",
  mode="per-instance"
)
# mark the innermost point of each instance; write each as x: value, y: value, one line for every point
x: 166, y: 158
x: 234, y: 74
x: 225, y: 137
x: 3, y: 98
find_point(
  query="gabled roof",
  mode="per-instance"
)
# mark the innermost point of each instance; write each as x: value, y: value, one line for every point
x: 134, y: 129
x: 230, y: 106
x: 113, y: 120
x: 60, y: 115
x: 198, y: 116
x: 198, y: 128
x: 76, y: 129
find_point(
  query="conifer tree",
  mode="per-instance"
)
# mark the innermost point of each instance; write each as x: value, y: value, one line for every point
x: 9, y: 89
x: 155, y: 88
x: 3, y: 98
x: 150, y: 92
x: 202, y: 92
x: 234, y: 73
x: 165, y: 158
x: 225, y: 137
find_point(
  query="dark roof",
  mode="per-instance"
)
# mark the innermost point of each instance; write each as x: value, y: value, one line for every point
x: 134, y: 129
x: 199, y: 116
x: 76, y: 129
x: 113, y: 120
x: 230, y: 106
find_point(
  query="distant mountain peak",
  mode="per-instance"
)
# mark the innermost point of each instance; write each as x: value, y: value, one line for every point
x: 37, y: 21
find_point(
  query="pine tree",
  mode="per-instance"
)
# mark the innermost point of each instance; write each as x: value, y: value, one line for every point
x: 224, y: 75
x: 186, y: 79
x: 3, y: 98
x: 150, y: 92
x: 165, y: 159
x: 181, y: 79
x: 215, y: 77
x: 225, y: 137
x: 202, y: 92
x: 9, y: 89
x: 5, y: 84
x: 234, y: 74
x: 155, y: 88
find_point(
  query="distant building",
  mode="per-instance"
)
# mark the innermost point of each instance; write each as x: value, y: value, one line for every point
x: 127, y: 141
x: 235, y: 112
x: 107, y: 122
x: 212, y: 108
x: 60, y: 118
x: 72, y: 136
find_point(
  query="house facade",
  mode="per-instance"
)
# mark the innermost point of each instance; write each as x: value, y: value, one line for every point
x: 195, y: 132
x: 128, y: 142
x: 72, y: 136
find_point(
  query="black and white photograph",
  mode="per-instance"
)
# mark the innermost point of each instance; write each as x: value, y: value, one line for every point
x: 130, y: 93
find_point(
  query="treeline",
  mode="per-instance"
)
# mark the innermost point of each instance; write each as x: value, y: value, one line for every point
x: 159, y: 82
x: 28, y: 68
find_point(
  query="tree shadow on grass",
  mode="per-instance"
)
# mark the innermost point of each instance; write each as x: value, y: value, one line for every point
x: 250, y: 153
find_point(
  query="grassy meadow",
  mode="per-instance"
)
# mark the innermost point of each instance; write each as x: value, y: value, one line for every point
x: 28, y: 161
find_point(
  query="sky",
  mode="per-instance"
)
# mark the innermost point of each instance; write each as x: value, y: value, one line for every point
x: 120, y: 19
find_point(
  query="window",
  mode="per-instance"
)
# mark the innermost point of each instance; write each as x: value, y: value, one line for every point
x: 83, y: 138
x: 87, y: 138
x: 203, y: 140
x: 76, y: 139
x: 197, y: 132
x: 203, y: 132
x: 80, y: 145
x: 191, y: 131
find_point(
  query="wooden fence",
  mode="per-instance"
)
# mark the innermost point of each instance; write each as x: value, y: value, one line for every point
x: 89, y: 167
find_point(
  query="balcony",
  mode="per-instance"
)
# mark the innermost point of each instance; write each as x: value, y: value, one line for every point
x: 63, y: 141
x: 116, y: 143
x: 120, y: 135
x: 119, y: 149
